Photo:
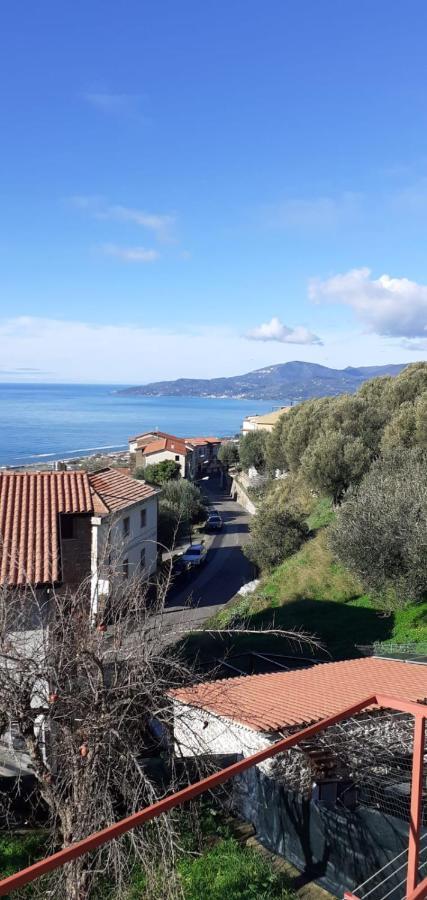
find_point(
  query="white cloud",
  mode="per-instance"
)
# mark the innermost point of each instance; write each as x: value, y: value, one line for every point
x: 315, y: 213
x: 131, y: 254
x: 415, y: 346
x: 394, y: 307
x: 160, y: 224
x: 130, y: 353
x: 275, y: 330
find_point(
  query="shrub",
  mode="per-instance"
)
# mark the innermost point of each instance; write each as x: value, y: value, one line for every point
x: 275, y: 534
x: 380, y: 533
x: 184, y: 499
x: 160, y: 473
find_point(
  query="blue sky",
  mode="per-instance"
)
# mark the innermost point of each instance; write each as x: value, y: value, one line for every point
x: 205, y: 188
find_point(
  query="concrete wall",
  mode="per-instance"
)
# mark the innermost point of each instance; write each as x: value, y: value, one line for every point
x: 238, y: 493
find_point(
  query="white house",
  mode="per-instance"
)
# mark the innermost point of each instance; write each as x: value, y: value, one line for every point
x: 59, y: 528
x: 245, y: 714
x: 124, y: 531
x: 264, y: 422
x: 336, y: 805
x: 196, y: 457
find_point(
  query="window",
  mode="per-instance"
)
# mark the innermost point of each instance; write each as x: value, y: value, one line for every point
x: 143, y: 518
x: 142, y: 560
x: 126, y: 526
x: 67, y: 528
x: 176, y: 458
x: 126, y: 568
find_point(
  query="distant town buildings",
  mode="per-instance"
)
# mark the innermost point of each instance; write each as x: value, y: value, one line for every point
x: 265, y: 422
x: 196, y: 457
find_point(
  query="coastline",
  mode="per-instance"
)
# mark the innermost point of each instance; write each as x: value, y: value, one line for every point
x: 42, y: 424
x: 86, y: 461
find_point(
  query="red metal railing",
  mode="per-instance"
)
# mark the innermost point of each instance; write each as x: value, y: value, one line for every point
x: 414, y: 891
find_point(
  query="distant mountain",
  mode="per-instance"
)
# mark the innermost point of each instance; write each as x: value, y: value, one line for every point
x: 288, y: 381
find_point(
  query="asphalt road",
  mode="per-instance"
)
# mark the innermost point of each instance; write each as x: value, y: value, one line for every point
x: 226, y: 569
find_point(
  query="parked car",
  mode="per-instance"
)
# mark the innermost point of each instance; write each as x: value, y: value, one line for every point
x: 214, y: 521
x: 180, y: 567
x: 194, y: 556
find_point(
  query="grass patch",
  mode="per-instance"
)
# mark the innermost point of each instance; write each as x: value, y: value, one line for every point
x: 232, y: 871
x: 211, y: 864
x: 312, y: 592
x: 321, y: 515
x: 19, y: 851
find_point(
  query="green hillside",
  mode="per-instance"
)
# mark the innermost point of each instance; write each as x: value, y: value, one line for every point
x: 310, y: 592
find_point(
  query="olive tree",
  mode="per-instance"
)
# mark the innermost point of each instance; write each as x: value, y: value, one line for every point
x: 275, y: 534
x: 228, y: 454
x: 335, y: 461
x: 380, y: 532
x: 252, y: 450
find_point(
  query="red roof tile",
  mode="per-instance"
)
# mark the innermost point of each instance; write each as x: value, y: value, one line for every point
x: 281, y: 700
x: 30, y: 504
x: 112, y: 491
x: 173, y: 444
x: 149, y: 435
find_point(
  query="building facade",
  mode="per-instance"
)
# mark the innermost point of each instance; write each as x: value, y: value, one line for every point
x: 196, y: 457
x: 59, y: 529
x: 265, y: 422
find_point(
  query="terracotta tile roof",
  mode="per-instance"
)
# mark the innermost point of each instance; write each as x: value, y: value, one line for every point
x: 148, y: 435
x: 197, y: 441
x: 113, y: 491
x: 30, y: 504
x: 161, y: 440
x: 282, y: 700
x: 173, y: 444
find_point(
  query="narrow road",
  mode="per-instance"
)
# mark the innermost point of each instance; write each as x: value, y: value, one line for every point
x: 226, y: 569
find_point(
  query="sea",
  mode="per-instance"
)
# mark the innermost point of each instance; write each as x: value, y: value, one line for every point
x: 41, y: 423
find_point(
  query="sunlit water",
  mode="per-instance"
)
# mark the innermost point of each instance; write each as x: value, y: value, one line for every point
x: 43, y: 422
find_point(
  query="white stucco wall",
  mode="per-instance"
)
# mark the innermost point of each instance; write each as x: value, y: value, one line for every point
x: 153, y: 458
x: 110, y: 545
x: 198, y: 731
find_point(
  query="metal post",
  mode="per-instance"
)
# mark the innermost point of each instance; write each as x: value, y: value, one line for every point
x: 416, y: 804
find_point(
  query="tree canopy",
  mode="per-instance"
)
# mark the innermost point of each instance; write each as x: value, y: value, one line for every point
x: 160, y: 473
x: 380, y: 532
x: 252, y: 450
x: 334, y: 440
x: 275, y: 533
x: 228, y: 454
